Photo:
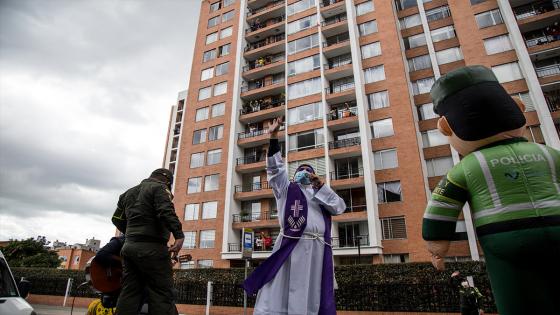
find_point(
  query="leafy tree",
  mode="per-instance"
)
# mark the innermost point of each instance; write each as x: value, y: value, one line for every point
x: 30, y: 253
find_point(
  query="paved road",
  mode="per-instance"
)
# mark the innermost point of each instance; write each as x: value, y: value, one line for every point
x: 57, y: 310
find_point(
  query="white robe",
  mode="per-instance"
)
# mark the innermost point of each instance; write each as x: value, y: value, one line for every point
x: 300, y: 293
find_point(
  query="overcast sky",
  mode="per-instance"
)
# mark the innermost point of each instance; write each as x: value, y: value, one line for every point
x: 85, y: 94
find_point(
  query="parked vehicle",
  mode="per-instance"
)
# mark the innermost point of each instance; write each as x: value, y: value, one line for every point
x: 12, y: 294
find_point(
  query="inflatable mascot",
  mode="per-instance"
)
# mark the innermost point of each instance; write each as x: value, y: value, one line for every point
x: 511, y: 186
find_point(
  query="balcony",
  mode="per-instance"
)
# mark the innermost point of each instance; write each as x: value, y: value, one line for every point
x: 331, y: 8
x: 262, y: 66
x: 255, y: 137
x: 255, y: 217
x: 259, y: 110
x: 253, y: 191
x: 345, y: 148
x: 339, y: 67
x: 340, y: 91
x: 268, y: 11
x: 352, y: 242
x: 263, y: 87
x: 343, y: 179
x: 269, y: 46
x: 536, y: 15
x: 334, y: 25
x: 548, y: 71
x: 251, y: 163
x: 257, y: 30
x: 553, y: 100
x: 344, y: 143
x: 336, y: 45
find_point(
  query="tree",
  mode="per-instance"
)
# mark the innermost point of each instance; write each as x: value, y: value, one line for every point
x: 30, y: 253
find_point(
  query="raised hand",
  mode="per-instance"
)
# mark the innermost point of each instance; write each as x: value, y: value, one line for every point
x: 274, y: 127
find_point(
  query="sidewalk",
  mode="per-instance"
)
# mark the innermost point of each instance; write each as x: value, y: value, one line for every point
x: 57, y: 310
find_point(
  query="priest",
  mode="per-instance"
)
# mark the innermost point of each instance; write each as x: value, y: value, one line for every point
x: 298, y: 278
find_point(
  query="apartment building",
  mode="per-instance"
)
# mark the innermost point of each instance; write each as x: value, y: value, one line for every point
x: 174, y: 133
x: 352, y: 79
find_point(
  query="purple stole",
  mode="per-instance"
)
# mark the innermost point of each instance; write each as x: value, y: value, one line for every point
x: 295, y: 221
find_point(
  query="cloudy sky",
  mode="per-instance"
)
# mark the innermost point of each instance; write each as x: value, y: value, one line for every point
x: 85, y: 93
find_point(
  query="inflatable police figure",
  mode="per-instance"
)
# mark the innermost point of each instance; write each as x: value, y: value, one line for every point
x: 511, y: 186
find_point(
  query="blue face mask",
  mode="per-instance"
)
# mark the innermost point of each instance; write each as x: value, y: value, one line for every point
x: 302, y: 177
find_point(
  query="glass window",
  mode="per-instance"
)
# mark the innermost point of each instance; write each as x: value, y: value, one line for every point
x: 201, y: 114
x: 364, y: 7
x: 299, y: 6
x: 227, y: 3
x: 191, y: 211
x: 216, y: 133
x: 207, y: 74
x: 508, y: 72
x: 389, y: 192
x: 438, y: 13
x: 213, y: 21
x: 414, y: 41
x: 215, y: 6
x: 304, y: 65
x: 426, y: 111
x: 218, y: 109
x: 405, y: 4
x: 220, y: 88
x: 477, y: 1
x: 224, y: 50
x: 213, y: 157
x: 534, y: 134
x: 302, y: 44
x: 209, y: 55
x: 227, y: 16
x: 382, y: 128
x: 186, y: 264
x: 207, y: 238
x: 410, y: 21
x: 449, y: 55
x: 306, y: 140
x: 205, y: 263
x: 378, y: 100
x: 211, y: 182
x: 210, y: 38
x: 432, y: 138
x: 393, y: 228
x: 209, y: 210
x: 422, y: 86
x: 305, y: 113
x: 385, y: 159
x: 442, y: 33
x: 498, y: 44
x: 439, y: 166
x: 226, y: 32
x: 194, y: 185
x: 204, y: 93
x: 222, y: 68
x: 527, y: 100
x: 190, y: 239
x: 304, y: 88
x: 374, y: 74
x: 489, y: 18
x: 199, y: 136
x: 197, y: 160
x: 371, y: 50
x: 419, y: 63
x: 367, y: 28
x: 302, y: 24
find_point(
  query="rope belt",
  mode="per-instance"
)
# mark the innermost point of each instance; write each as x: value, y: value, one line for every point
x: 307, y: 236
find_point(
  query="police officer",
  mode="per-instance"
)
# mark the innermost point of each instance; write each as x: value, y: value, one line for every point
x: 145, y: 213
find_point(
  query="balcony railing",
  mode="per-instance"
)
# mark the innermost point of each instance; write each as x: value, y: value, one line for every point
x: 339, y: 61
x: 250, y: 159
x: 334, y: 20
x: 553, y: 101
x: 344, y: 143
x: 257, y: 26
x: 259, y: 84
x: 252, y: 217
x: 343, y: 113
x: 351, y: 241
x: 265, y: 8
x: 356, y: 208
x: 339, y: 88
x: 252, y: 133
x: 355, y: 173
x: 331, y: 42
x: 268, y: 41
x: 545, y: 39
x: 263, y: 61
x: 234, y: 247
x: 548, y: 71
x: 326, y: 3
x: 251, y: 187
x: 533, y: 9
x: 255, y: 106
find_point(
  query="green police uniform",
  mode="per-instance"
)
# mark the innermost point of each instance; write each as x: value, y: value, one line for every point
x: 146, y: 215
x: 513, y: 191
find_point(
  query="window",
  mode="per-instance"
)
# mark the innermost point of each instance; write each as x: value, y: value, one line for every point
x: 199, y: 136
x: 449, y: 55
x: 410, y: 21
x: 300, y: 6
x: 226, y: 32
x: 305, y: 113
x: 306, y: 140
x: 227, y: 3
x: 194, y: 185
x: 201, y: 114
x: 498, y: 44
x: 527, y: 100
x: 302, y: 44
x: 489, y: 18
x: 395, y: 258
x: 422, y: 86
x: 220, y: 88
x: 389, y: 192
x: 414, y: 41
x: 419, y: 63
x: 210, y: 38
x: 204, y: 93
x: 207, y: 74
x: 439, y: 166
x: 426, y: 111
x: 207, y: 238
x: 76, y: 260
x: 302, y: 24
x: 382, y: 128
x: 385, y: 159
x: 190, y: 239
x: 367, y: 28
x: 534, y: 134
x: 191, y: 212
x: 187, y: 264
x: 215, y: 6
x: 378, y: 100
x: 477, y: 1
x: 209, y: 55
x: 364, y: 7
x: 197, y: 160
x: 209, y: 210
x: 374, y: 74
x: 393, y: 228
x: 508, y: 72
x: 438, y: 13
x: 216, y: 133
x: 227, y: 16
x: 205, y: 263
x: 442, y: 33
x: 224, y: 50
x: 222, y: 68
x: 432, y: 138
x: 371, y: 50
x: 218, y: 109
x: 304, y: 88
x: 213, y: 21
x: 304, y: 65
x: 213, y: 157
x: 405, y: 4
x: 211, y: 182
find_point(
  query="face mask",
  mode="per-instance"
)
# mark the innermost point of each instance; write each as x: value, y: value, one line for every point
x: 302, y: 177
